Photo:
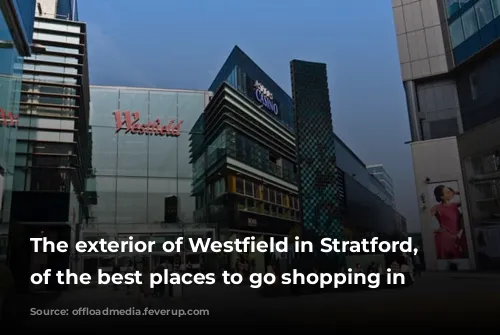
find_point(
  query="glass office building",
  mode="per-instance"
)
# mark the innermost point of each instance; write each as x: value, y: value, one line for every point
x: 243, y: 154
x: 141, y: 164
x: 16, y: 28
x: 322, y: 201
x: 473, y: 25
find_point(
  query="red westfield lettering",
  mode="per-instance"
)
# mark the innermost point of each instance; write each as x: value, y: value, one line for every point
x: 7, y: 119
x: 129, y: 121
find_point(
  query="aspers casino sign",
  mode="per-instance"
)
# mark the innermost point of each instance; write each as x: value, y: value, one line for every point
x: 265, y: 97
x: 130, y: 123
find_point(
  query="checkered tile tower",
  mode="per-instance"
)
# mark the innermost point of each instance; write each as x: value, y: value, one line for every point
x: 319, y: 189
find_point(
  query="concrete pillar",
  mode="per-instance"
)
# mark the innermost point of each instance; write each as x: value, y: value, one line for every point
x: 412, y: 103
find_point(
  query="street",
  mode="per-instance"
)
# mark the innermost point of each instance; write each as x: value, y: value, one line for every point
x: 437, y: 299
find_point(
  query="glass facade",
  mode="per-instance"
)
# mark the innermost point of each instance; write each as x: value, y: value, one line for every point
x: 10, y: 90
x: 67, y: 9
x: 477, y: 84
x: 263, y: 199
x: 318, y: 187
x: 383, y: 183
x: 244, y: 74
x: 51, y: 99
x: 367, y: 214
x: 26, y: 13
x: 134, y: 173
x: 473, y: 25
x: 11, y: 63
x: 233, y: 144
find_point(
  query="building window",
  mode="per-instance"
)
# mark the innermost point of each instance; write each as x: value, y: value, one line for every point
x: 217, y: 189
x: 249, y: 188
x: 222, y: 186
x: 484, y: 12
x: 241, y: 203
x: 457, y: 33
x: 265, y: 193
x: 210, y: 192
x: 49, y: 180
x: 469, y: 20
x: 473, y: 85
x: 496, y: 7
x: 452, y: 6
x: 272, y: 196
x: 267, y: 209
x: 240, y: 186
x: 273, y: 210
x: 279, y: 198
x: 3, y: 245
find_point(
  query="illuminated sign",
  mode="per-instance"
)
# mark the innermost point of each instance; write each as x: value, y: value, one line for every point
x: 129, y: 121
x: 7, y: 119
x: 265, y: 97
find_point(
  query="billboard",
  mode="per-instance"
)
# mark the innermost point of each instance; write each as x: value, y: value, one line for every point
x: 262, y: 96
x: 447, y: 221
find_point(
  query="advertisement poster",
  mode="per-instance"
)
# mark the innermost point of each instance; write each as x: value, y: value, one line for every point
x: 447, y: 221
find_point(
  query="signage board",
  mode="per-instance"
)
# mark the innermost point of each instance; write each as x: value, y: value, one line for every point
x: 265, y: 98
x: 8, y: 119
x: 130, y: 123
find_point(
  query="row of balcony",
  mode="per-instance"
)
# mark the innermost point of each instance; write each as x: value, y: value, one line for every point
x: 278, y: 212
x: 255, y: 161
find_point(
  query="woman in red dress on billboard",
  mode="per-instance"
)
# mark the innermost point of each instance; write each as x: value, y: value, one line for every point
x: 450, y: 237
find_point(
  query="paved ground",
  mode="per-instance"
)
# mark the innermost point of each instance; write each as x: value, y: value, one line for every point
x: 448, y: 300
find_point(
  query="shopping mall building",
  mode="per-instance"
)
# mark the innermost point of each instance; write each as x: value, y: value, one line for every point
x: 96, y: 162
x: 142, y: 176
x: 245, y: 177
x: 221, y: 162
x: 243, y: 154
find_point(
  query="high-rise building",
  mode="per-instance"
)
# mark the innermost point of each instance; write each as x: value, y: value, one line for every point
x: 16, y: 32
x: 321, y: 193
x: 449, y: 59
x: 243, y: 154
x: 53, y: 149
x: 381, y: 174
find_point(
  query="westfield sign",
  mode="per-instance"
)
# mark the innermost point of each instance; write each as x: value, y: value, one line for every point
x: 130, y: 123
x: 7, y: 119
